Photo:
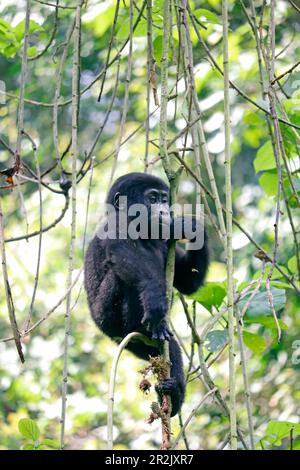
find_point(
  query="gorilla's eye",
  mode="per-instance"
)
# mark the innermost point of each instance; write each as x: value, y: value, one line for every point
x: 153, y: 199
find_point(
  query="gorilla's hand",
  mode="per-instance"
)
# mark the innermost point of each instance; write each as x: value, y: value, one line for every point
x: 154, y: 317
x: 160, y: 332
x: 155, y: 306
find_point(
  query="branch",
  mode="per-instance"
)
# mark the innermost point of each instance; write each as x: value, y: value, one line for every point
x: 112, y: 381
x: 294, y: 5
x: 232, y: 84
x: 188, y: 58
x: 36, y: 279
x: 237, y: 224
x: 23, y: 334
x: 51, y: 39
x: 126, y: 95
x: 74, y: 150
x: 9, y: 300
x: 58, y: 82
x: 44, y: 229
x: 229, y: 253
x: 173, y: 180
x: 95, y: 80
x: 20, y: 126
x: 112, y: 37
x: 191, y: 415
x: 287, y: 72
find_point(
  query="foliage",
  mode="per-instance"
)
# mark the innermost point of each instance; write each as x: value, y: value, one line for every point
x: 31, y: 393
x: 30, y: 430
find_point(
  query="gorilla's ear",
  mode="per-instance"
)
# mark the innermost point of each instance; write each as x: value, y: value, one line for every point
x: 116, y: 200
x: 120, y: 204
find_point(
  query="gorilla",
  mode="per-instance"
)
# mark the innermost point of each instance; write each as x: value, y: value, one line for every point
x: 125, y: 273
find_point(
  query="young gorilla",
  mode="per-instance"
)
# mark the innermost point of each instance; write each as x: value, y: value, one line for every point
x: 125, y: 278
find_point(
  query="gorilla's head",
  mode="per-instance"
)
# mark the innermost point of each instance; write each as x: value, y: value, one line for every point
x: 143, y: 189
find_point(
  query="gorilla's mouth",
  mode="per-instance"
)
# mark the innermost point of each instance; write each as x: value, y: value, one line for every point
x: 160, y: 228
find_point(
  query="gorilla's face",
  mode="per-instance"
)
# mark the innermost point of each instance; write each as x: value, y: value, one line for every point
x: 157, y: 202
x: 144, y: 199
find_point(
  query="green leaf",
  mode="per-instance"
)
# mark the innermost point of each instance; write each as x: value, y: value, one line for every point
x: 54, y: 444
x: 296, y: 445
x: 31, y: 51
x: 265, y: 159
x: 141, y: 29
x: 289, y: 191
x: 102, y: 22
x: 269, y: 182
x: 4, y: 25
x: 3, y: 43
x: 260, y: 304
x: 157, y: 47
x: 8, y: 43
x: 29, y: 429
x: 6, y: 32
x: 20, y: 29
x: 268, y: 322
x: 123, y: 24
x: 252, y: 118
x: 279, y: 430
x: 28, y: 447
x: 292, y: 264
x: 281, y: 284
x: 10, y: 51
x: 255, y: 342
x: 207, y: 16
x: 292, y: 107
x: 211, y: 295
x: 3, y: 31
x: 215, y: 340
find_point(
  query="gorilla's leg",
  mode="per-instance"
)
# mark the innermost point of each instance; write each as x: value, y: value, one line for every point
x: 142, y: 350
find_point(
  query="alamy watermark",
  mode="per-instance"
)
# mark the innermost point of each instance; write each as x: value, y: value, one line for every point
x: 138, y: 221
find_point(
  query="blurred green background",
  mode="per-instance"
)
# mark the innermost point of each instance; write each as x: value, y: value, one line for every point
x: 34, y: 389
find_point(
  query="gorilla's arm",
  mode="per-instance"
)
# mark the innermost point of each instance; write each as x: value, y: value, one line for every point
x: 191, y: 265
x: 141, y: 266
x: 190, y: 269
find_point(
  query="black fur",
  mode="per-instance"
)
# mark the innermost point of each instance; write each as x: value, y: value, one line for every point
x: 126, y: 288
